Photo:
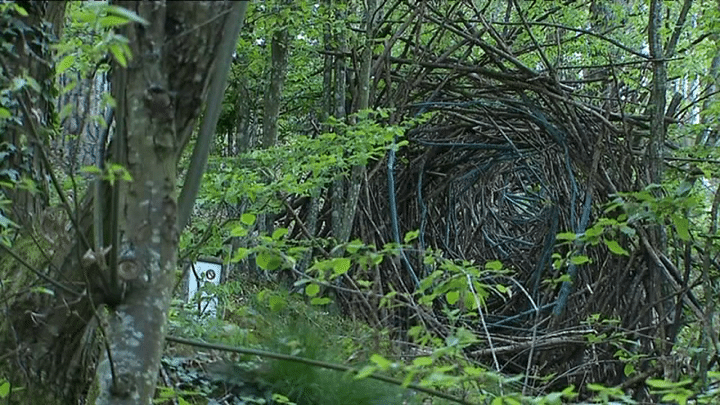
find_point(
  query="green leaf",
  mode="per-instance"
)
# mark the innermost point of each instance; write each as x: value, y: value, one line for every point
x: 281, y: 399
x: 656, y: 383
x: 629, y: 369
x: 248, y: 219
x: 579, y: 259
x: 239, y: 231
x: 365, y: 372
x: 240, y: 254
x: 4, y: 389
x: 422, y: 361
x: 410, y: 236
x: 320, y: 301
x: 566, y: 236
x: 43, y: 290
x: 66, y: 111
x: 65, y: 64
x: 33, y: 84
x: 20, y: 10
x: 119, y: 55
x: 127, y: 14
x: 664, y: 384
x: 452, y: 297
x: 677, y: 397
x: 380, y: 361
x: 470, y: 302
x: 501, y: 288
x: 312, y: 290
x: 596, y: 387
x: 494, y: 265
x: 268, y: 260
x: 90, y: 170
x: 354, y: 246
x: 279, y: 233
x: 4, y: 113
x: 682, y: 225
x: 616, y: 248
x: 112, y: 21
x: 595, y: 231
x: 340, y: 265
x: 277, y: 303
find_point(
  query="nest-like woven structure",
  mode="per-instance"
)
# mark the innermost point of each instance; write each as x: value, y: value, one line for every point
x: 511, y: 157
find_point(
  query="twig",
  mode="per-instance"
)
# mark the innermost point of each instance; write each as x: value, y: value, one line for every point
x: 315, y: 363
x: 41, y: 274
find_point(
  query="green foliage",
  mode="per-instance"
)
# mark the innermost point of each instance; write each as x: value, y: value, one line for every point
x: 676, y: 392
x: 670, y: 205
x: 458, y: 282
x: 303, y: 165
x: 111, y: 174
x: 6, y: 224
x: 90, y: 37
x: 4, y: 388
x: 168, y: 395
x: 606, y: 394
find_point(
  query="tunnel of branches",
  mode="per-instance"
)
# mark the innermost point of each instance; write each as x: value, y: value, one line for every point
x: 511, y: 157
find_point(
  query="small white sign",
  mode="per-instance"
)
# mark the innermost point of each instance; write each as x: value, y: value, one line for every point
x: 204, y: 272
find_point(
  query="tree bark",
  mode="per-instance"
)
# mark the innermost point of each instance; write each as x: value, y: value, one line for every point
x: 338, y: 192
x: 278, y: 68
x: 271, y: 103
x: 175, y: 57
x: 346, y: 192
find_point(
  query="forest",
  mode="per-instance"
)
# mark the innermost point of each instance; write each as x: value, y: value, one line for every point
x: 374, y: 202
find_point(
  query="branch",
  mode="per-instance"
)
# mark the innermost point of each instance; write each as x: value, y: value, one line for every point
x: 672, y: 42
x: 214, y: 105
x: 582, y: 31
x: 41, y: 274
x: 315, y: 363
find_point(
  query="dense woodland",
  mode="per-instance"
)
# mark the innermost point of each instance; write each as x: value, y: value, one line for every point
x: 414, y: 201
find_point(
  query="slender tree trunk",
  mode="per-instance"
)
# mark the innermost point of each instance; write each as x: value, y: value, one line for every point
x: 346, y: 192
x: 278, y: 67
x: 709, y: 136
x: 244, y: 116
x: 314, y: 204
x: 338, y: 193
x: 273, y: 94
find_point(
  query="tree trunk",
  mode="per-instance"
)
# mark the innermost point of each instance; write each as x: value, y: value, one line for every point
x: 271, y: 107
x: 167, y: 81
x: 182, y: 49
x: 347, y: 191
x: 338, y: 193
x: 278, y: 67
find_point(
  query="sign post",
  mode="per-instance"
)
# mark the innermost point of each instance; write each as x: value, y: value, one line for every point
x: 205, y: 270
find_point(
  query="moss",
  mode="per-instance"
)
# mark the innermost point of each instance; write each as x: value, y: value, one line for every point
x: 93, y: 392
